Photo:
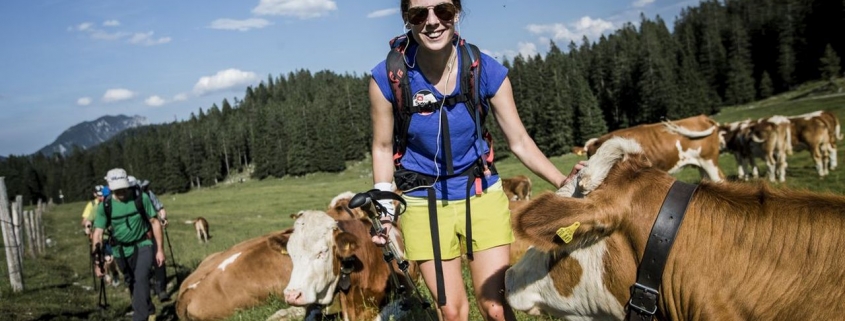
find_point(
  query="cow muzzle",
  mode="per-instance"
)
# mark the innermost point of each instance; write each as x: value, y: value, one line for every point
x: 294, y: 297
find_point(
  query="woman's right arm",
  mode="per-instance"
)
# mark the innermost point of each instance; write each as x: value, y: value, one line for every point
x: 381, y: 112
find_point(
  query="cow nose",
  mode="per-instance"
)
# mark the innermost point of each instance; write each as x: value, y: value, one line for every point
x: 292, y: 296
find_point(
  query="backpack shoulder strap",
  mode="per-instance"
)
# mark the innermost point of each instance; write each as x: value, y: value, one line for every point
x: 399, y: 84
x: 139, y: 206
x: 470, y: 74
x: 107, y: 209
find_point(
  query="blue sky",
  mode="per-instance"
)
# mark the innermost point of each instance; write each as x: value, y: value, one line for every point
x: 67, y: 61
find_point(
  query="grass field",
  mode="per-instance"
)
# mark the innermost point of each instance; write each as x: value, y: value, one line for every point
x: 57, y: 285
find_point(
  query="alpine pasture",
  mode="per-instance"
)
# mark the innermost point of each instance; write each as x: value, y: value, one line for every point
x: 59, y: 285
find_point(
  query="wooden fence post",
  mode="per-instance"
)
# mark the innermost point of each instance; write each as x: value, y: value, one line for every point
x: 16, y: 229
x: 12, y: 257
x: 27, y: 225
x: 40, y: 226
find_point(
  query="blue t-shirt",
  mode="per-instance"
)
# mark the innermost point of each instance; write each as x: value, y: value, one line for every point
x: 425, y: 128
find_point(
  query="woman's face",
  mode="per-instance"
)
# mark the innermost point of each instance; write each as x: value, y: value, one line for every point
x: 430, y: 30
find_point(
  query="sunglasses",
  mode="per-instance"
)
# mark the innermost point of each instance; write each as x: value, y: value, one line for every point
x: 444, y: 11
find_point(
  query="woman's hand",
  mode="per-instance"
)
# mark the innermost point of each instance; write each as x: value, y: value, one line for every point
x: 572, y: 174
x: 382, y: 238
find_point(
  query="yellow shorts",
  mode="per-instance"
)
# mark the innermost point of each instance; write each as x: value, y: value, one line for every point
x: 491, y: 224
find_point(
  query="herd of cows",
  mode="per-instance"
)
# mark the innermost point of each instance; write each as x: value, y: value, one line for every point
x: 742, y: 252
x: 698, y: 141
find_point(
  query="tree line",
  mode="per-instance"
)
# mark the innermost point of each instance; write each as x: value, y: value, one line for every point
x: 718, y: 53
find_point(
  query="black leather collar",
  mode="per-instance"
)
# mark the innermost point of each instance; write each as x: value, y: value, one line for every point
x: 644, y: 294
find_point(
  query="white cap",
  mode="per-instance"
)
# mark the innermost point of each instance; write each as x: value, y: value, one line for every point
x: 117, y: 179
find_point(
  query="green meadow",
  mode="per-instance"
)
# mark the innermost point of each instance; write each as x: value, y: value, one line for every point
x: 58, y: 285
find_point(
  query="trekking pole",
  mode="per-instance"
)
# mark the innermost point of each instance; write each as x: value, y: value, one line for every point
x: 389, y: 250
x: 102, y: 300
x: 91, y: 261
x: 170, y: 247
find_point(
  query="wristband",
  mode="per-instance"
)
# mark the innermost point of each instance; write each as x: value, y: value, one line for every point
x: 387, y: 204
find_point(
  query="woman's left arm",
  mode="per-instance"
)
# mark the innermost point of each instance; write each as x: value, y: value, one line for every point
x: 520, y: 143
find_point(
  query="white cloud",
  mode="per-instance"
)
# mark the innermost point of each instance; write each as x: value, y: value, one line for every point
x: 303, y: 9
x: 383, y: 13
x: 84, y: 26
x: 146, y: 39
x: 586, y: 26
x: 527, y: 49
x: 180, y: 97
x: 138, y: 38
x: 118, y: 94
x: 239, y: 25
x: 84, y: 101
x: 154, y: 101
x: 642, y: 3
x: 224, y: 79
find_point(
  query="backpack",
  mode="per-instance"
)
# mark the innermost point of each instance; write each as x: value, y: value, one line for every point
x: 139, y: 206
x: 403, y: 107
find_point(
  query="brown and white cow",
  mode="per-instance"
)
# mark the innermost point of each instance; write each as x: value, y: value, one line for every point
x: 743, y: 251
x: 237, y: 278
x: 672, y: 145
x: 323, y: 249
x: 834, y: 134
x: 517, y: 187
x: 767, y: 138
x: 811, y: 132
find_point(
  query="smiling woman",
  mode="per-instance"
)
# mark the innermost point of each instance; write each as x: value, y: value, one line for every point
x: 429, y: 99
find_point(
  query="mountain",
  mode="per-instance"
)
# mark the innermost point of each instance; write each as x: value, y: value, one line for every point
x: 91, y: 133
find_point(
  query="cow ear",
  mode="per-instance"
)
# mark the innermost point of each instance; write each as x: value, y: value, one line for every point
x: 552, y: 222
x: 278, y: 242
x: 347, y: 243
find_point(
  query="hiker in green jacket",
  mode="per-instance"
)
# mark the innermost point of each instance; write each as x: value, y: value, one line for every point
x: 135, y: 226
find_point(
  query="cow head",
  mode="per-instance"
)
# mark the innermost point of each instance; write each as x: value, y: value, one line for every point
x: 569, y: 272
x: 581, y: 222
x: 316, y: 248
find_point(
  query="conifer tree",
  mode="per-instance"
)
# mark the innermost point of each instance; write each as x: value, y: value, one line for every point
x: 829, y: 64
x: 766, y: 88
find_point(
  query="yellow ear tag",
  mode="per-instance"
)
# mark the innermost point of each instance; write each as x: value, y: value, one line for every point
x: 566, y: 233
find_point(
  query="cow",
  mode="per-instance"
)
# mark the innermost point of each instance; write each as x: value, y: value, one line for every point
x: 201, y: 226
x: 517, y: 187
x: 767, y: 138
x: 810, y: 132
x: 238, y: 278
x: 744, y: 251
x: 673, y: 145
x: 336, y: 260
x: 834, y: 133
x: 242, y: 276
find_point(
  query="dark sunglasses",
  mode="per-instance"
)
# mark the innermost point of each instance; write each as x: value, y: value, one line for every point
x: 444, y: 11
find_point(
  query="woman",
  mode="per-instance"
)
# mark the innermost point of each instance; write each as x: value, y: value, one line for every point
x: 433, y: 61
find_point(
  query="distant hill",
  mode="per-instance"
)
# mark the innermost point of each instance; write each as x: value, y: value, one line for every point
x: 91, y: 133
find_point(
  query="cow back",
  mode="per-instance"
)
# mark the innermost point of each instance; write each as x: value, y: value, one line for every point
x: 242, y: 276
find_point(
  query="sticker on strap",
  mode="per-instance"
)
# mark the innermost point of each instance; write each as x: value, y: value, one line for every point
x: 566, y: 233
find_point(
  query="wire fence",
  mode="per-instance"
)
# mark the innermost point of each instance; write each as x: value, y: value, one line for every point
x: 22, y: 231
